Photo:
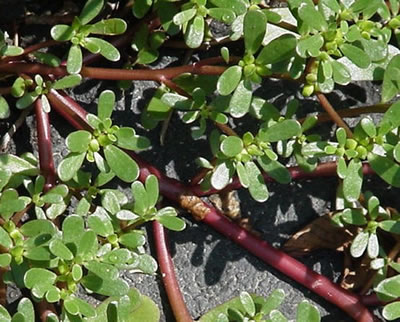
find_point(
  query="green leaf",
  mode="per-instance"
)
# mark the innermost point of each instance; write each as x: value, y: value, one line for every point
x: 310, y: 46
x: 132, y: 239
x: 141, y: 204
x: 102, y: 270
x: 70, y: 165
x: 25, y: 307
x: 73, y: 229
x: 368, y: 126
x: 171, y: 222
x: 121, y: 163
x: 389, y: 287
x: 354, y: 216
x: 39, y: 254
x: 91, y: 9
x: 275, y: 169
x: 194, y: 33
x: 386, y: 168
x: 353, y: 181
x: 254, y: 28
x: 312, y: 17
x: 242, y: 174
x: 100, y: 222
x: 74, y: 60
x: 391, y: 311
x: 281, y: 131
x: 257, y: 188
x: 356, y: 55
x: 146, y: 264
x: 225, y: 54
x: 105, y: 105
x: 62, y: 32
x: 222, y: 175
x: 88, y: 245
x: 277, y: 50
x: 231, y: 146
x: 38, y: 226
x: 127, y: 139
x: 131, y: 308
x: 106, y: 287
x: 241, y: 99
x: 26, y: 100
x: 140, y: 8
x: 47, y: 58
x: 67, y: 82
x: 152, y: 190
x: 359, y: 244
x: 4, y: 315
x: 60, y: 250
x: 107, y: 50
x: 391, y: 79
x: 78, y: 141
x: 373, y: 246
x: 184, y: 16
x: 5, y: 239
x: 390, y: 226
x: 109, y: 27
x: 307, y: 312
x: 17, y: 165
x: 341, y: 74
x: 392, y: 115
x: 229, y: 80
x: 37, y: 276
x: 222, y: 14
x: 5, y: 260
x: 4, y: 108
x: 248, y: 304
x: 110, y: 202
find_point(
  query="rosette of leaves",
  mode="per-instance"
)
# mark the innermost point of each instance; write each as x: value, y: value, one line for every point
x: 195, y: 109
x: 79, y: 35
x: 369, y: 218
x: 334, y: 29
x: 238, y: 79
x: 251, y: 307
x: 108, y: 138
x: 55, y: 199
x: 144, y: 207
x: 28, y: 91
x: 192, y: 17
x: 248, y: 155
x: 377, y: 144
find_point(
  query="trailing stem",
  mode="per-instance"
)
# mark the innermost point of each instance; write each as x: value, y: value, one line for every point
x: 180, y: 193
x: 46, y: 160
x: 167, y: 270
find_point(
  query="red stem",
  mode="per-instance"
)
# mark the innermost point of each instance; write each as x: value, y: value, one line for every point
x: 347, y: 301
x: 171, y: 285
x: 46, y: 160
x: 116, y: 74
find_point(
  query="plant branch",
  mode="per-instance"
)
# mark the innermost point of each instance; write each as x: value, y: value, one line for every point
x: 45, y: 146
x: 5, y: 90
x: 167, y: 270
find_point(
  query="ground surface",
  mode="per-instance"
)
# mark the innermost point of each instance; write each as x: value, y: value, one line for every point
x: 210, y: 268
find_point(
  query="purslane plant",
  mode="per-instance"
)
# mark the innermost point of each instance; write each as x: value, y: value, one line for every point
x: 52, y: 250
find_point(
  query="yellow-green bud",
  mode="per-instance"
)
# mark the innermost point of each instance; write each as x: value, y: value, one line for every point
x: 308, y: 90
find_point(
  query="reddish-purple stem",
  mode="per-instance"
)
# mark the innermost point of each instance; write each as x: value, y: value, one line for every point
x: 46, y: 160
x: 167, y: 270
x: 174, y: 190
